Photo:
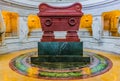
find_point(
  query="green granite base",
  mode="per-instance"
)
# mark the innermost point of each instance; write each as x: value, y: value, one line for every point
x: 60, y: 48
x: 36, y: 60
x: 55, y: 54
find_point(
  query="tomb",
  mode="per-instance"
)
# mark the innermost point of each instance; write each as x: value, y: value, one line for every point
x: 60, y: 54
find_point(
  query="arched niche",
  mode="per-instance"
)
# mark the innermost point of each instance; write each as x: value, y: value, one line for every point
x: 86, y: 23
x: 11, y: 20
x: 110, y: 22
x: 34, y: 23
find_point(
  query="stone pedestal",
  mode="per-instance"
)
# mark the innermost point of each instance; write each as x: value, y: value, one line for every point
x: 60, y: 52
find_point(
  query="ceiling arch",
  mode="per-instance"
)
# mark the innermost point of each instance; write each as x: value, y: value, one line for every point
x: 35, y: 3
x: 25, y: 7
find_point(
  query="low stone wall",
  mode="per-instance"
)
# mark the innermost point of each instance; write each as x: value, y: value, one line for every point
x: 110, y: 44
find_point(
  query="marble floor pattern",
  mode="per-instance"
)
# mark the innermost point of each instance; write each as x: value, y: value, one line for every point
x: 6, y: 74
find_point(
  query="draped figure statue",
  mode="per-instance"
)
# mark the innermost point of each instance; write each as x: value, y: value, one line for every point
x: 23, y: 30
x: 2, y: 29
x: 118, y: 25
x: 96, y: 29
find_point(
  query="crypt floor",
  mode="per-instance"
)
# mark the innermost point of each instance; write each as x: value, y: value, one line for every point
x: 7, y: 74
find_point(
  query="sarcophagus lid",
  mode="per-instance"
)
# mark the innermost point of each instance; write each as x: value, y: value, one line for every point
x: 72, y: 10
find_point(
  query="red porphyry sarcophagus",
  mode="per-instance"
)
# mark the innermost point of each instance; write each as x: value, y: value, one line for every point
x: 60, y: 19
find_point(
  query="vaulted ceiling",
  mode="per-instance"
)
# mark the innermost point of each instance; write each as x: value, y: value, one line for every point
x: 35, y: 3
x: 25, y: 7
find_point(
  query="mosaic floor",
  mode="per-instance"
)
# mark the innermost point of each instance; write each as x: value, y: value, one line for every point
x: 61, y: 70
x: 8, y: 74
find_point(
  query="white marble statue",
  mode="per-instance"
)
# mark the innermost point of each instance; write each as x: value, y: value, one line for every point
x: 2, y: 29
x: 118, y: 25
x: 23, y: 30
x: 96, y: 28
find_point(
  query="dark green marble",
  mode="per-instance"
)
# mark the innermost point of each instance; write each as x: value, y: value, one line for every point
x: 36, y: 60
x: 60, y: 48
x: 61, y: 52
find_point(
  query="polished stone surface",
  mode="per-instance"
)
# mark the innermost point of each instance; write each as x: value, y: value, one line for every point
x: 60, y: 52
x: 37, y: 60
x: 60, y: 48
x: 9, y: 75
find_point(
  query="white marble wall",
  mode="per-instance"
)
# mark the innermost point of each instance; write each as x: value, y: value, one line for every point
x: 110, y: 44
